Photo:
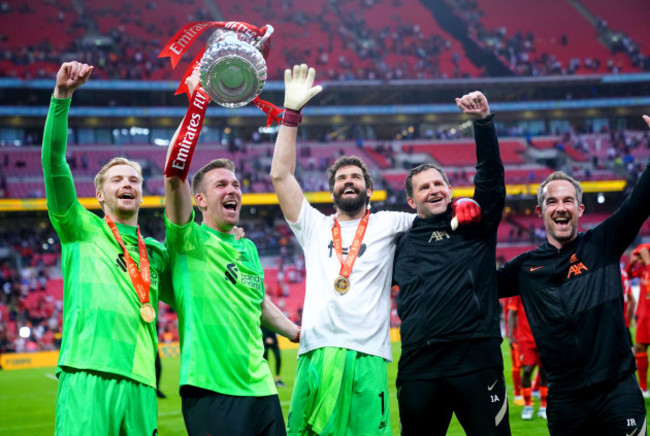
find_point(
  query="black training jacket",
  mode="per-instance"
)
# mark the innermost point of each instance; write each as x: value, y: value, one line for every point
x: 573, y: 298
x: 447, y: 279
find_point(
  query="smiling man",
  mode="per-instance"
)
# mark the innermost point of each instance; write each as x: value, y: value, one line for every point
x: 451, y: 357
x: 112, y: 281
x: 341, y: 385
x: 225, y: 384
x: 571, y: 289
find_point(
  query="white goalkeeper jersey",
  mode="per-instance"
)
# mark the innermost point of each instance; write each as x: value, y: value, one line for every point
x: 360, y: 319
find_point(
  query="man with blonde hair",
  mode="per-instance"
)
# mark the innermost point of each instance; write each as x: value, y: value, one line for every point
x: 112, y: 280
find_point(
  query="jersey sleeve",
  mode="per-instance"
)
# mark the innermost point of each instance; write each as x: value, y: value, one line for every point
x: 401, y: 221
x: 75, y: 223
x: 304, y: 225
x: 489, y: 181
x: 619, y: 230
x: 507, y: 277
x: 163, y: 269
x: 59, y: 186
x: 181, y: 239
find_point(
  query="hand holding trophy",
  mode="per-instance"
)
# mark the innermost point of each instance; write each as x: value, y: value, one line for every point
x: 232, y: 71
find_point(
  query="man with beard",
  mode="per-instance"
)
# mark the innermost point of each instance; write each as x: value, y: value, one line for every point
x: 571, y: 290
x: 112, y: 280
x: 341, y: 385
x: 225, y: 384
x: 451, y: 339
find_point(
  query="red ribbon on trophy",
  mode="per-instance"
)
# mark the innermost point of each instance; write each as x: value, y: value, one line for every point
x: 181, y: 154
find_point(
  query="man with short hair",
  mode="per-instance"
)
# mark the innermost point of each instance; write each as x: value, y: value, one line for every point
x: 571, y: 289
x: 451, y: 359
x: 225, y: 384
x: 112, y: 281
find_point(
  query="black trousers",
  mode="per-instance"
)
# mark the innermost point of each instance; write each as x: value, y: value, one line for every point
x: 209, y: 413
x: 478, y: 399
x: 608, y: 408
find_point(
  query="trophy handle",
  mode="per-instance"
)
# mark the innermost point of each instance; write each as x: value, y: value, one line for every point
x: 260, y: 43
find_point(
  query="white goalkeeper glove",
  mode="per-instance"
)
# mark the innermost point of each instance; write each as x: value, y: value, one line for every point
x: 299, y: 87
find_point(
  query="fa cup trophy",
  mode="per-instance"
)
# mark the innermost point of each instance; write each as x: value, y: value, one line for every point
x: 233, y: 69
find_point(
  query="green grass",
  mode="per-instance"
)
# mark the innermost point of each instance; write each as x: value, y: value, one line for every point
x: 28, y: 397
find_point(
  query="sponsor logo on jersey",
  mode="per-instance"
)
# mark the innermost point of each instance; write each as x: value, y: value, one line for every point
x: 576, y: 267
x: 438, y: 235
x: 233, y: 275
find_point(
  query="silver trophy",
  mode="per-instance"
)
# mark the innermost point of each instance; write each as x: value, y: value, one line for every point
x: 233, y: 69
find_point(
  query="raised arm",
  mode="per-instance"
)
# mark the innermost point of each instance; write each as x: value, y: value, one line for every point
x: 178, y: 194
x: 298, y: 91
x: 620, y: 229
x: 59, y: 186
x: 489, y: 181
x: 274, y: 319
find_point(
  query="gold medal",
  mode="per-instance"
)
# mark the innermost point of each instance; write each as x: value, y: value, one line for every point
x: 147, y: 312
x: 342, y: 285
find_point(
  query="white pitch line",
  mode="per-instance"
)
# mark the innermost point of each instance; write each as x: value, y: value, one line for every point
x: 52, y: 376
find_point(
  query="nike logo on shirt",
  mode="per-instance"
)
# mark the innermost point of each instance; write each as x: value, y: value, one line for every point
x: 535, y: 268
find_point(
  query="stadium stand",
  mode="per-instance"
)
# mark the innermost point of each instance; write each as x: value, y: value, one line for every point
x: 598, y: 156
x: 356, y: 39
x: 540, y: 38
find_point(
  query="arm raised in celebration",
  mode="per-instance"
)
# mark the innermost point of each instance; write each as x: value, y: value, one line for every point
x: 299, y: 90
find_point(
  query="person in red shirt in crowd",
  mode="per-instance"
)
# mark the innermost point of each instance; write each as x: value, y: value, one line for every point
x: 630, y: 302
x: 521, y: 339
x: 639, y: 266
x: 514, y: 356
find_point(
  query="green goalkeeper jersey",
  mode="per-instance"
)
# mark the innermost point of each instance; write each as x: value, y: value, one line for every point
x: 218, y: 293
x: 102, y: 327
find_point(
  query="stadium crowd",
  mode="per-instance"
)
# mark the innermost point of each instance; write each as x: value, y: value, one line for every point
x: 349, y: 40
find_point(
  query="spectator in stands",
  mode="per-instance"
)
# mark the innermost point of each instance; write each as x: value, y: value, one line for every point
x: 225, y: 384
x: 639, y: 267
x: 97, y: 378
x: 448, y: 300
x: 571, y: 289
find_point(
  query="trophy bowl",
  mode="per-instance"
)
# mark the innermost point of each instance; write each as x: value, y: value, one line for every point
x: 232, y: 69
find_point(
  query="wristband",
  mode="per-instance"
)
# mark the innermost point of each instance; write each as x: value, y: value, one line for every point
x: 297, y: 338
x: 485, y: 121
x: 291, y: 118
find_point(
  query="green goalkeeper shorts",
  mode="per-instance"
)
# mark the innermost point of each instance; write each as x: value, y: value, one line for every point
x: 97, y: 403
x: 339, y: 392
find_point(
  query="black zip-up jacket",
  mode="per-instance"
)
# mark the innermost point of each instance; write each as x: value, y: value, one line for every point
x: 447, y: 279
x: 573, y: 298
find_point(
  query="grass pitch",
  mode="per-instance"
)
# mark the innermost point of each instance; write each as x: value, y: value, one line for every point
x: 28, y: 398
